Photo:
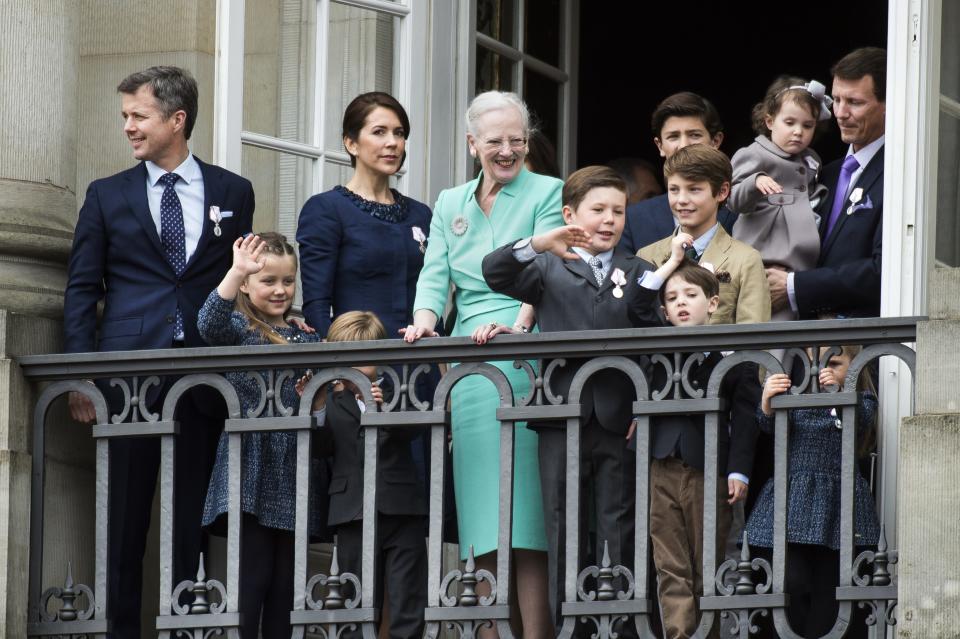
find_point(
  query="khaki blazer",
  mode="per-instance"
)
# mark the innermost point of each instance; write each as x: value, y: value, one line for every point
x: 744, y: 295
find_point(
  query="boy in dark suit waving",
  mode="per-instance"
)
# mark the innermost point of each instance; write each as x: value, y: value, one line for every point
x: 577, y: 279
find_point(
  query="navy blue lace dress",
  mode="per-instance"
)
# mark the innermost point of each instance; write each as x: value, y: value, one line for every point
x: 268, y: 489
x: 813, y: 483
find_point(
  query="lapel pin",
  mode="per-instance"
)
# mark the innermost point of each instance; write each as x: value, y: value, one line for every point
x: 215, y: 217
x: 419, y: 237
x: 619, y: 280
x: 855, y: 196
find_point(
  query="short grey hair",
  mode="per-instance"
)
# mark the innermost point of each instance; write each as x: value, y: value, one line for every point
x: 494, y: 101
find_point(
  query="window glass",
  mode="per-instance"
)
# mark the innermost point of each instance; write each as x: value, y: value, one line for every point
x: 542, y: 30
x: 495, y: 19
x: 360, y: 52
x: 279, y: 68
x: 493, y: 72
x: 542, y: 96
x: 283, y: 182
x: 947, y: 250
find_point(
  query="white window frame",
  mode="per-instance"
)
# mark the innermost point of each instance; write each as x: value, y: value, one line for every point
x: 565, y: 75
x: 910, y: 202
x: 410, y: 46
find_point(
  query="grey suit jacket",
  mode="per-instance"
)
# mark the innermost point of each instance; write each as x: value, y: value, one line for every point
x: 567, y: 298
x: 782, y: 226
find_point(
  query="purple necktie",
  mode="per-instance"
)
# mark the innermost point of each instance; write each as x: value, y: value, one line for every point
x: 850, y: 165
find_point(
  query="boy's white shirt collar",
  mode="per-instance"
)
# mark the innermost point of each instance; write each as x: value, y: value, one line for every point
x: 701, y: 243
x: 606, y: 258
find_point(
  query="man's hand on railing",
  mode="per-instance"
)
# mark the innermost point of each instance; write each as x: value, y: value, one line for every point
x: 81, y: 408
x: 737, y: 490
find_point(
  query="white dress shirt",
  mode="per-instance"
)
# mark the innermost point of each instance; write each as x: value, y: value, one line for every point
x: 189, y: 189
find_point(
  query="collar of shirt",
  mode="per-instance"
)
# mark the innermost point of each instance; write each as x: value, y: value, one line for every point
x: 864, y: 156
x: 700, y: 244
x: 606, y: 258
x: 188, y: 171
x: 190, y: 191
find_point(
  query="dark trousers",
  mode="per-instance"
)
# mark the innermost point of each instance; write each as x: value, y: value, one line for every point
x: 134, y: 463
x: 266, y: 580
x: 400, y: 564
x: 811, y: 575
x: 605, y: 464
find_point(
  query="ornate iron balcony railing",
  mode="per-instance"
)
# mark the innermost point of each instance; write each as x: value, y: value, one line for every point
x: 594, y: 593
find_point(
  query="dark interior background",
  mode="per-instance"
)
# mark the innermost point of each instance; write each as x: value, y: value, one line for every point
x: 633, y: 54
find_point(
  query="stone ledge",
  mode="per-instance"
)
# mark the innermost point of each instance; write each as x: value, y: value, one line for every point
x: 938, y: 367
x: 943, y: 286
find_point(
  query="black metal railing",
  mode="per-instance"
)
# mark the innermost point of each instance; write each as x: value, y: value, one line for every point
x: 603, y: 595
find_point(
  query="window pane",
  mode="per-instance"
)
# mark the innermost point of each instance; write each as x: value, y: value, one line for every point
x: 493, y: 71
x: 542, y: 30
x: 495, y: 19
x: 542, y: 96
x: 950, y: 54
x: 283, y: 183
x: 334, y: 174
x: 278, y: 68
x: 360, y: 59
x: 948, y: 172
x: 948, y: 194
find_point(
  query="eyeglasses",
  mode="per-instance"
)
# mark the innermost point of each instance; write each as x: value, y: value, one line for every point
x: 496, y: 143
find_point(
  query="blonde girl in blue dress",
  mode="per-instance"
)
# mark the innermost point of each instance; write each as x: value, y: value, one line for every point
x: 504, y: 202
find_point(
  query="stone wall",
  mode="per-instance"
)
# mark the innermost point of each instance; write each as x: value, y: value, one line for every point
x: 929, y: 491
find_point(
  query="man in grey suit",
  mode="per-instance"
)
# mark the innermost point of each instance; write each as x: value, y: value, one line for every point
x: 578, y: 279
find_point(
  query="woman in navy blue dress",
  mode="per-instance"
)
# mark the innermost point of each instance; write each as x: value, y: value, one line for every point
x: 362, y: 243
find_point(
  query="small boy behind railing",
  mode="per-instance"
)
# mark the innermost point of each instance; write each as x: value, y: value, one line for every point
x: 689, y: 296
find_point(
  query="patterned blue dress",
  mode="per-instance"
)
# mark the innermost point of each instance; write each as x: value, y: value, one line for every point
x: 813, y: 482
x: 268, y: 489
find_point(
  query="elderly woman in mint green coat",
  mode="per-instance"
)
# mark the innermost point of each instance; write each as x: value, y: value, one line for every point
x: 505, y: 202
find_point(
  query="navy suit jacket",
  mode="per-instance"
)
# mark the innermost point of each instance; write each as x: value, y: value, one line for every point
x: 651, y: 220
x: 847, y: 278
x: 350, y: 260
x: 117, y: 257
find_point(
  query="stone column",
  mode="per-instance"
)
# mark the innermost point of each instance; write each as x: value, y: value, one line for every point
x: 929, y: 492
x: 39, y: 55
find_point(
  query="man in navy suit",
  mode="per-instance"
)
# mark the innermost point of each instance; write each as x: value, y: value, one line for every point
x: 846, y: 281
x: 151, y: 242
x: 679, y: 120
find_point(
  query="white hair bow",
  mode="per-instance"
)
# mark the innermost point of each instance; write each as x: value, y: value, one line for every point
x: 819, y: 92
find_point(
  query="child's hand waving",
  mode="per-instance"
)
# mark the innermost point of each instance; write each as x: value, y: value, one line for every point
x: 247, y: 259
x: 560, y: 240
x: 247, y: 255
